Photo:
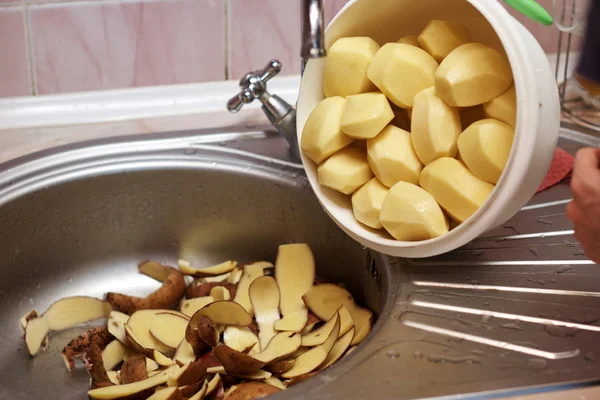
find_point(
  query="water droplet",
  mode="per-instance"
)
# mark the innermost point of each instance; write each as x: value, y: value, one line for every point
x: 393, y: 354
x: 584, y: 319
x: 417, y: 354
x: 537, y: 363
x: 563, y: 269
x: 512, y: 226
x: 478, y: 253
x: 535, y: 252
x: 190, y: 152
x: 545, y: 221
x: 560, y: 331
x: 485, y: 317
x: 512, y: 325
x: 453, y: 360
x: 589, y: 357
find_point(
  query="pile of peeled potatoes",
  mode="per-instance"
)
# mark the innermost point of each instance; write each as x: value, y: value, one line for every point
x: 418, y: 131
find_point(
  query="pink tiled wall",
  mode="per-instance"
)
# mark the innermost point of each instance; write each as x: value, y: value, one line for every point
x: 59, y: 46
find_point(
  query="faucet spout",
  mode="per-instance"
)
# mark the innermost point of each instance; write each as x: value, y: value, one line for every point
x: 313, y: 32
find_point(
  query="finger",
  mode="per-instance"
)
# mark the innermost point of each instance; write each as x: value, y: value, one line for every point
x: 571, y: 211
x: 587, y: 159
x: 575, y: 214
x: 585, y: 181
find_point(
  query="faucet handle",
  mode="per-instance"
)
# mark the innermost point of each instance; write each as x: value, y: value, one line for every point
x: 253, y: 86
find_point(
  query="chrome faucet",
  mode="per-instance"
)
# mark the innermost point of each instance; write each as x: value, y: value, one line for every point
x: 313, y: 33
x: 253, y: 85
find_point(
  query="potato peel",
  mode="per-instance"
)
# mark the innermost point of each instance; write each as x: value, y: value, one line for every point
x: 98, y: 336
x: 69, y: 312
x: 134, y: 370
x: 224, y: 313
x: 198, y: 288
x: 281, y: 346
x: 240, y: 338
x: 309, y: 361
x: 236, y: 362
x: 36, y: 332
x: 92, y: 359
x: 138, y: 334
x: 252, y: 390
x: 294, y: 273
x: 118, y: 391
x: 164, y: 354
x: 116, y: 325
x: 169, y: 329
x: 113, y: 354
x: 215, y: 270
x: 251, y: 272
x: 338, y: 349
x: 264, y: 296
x: 167, y: 296
x: 190, y: 306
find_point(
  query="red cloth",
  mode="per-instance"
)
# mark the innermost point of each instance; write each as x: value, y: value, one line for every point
x: 561, y: 167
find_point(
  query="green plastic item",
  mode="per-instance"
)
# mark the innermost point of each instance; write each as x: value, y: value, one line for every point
x: 532, y: 10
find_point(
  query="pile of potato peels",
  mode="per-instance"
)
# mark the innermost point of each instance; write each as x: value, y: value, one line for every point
x: 240, y: 332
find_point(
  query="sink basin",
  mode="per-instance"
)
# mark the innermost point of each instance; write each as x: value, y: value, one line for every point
x: 515, y: 310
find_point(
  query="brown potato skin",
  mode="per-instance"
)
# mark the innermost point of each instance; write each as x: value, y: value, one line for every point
x: 193, y: 338
x: 209, y: 360
x: 92, y: 359
x: 299, y: 378
x: 254, y: 328
x: 218, y: 393
x: 167, y: 296
x: 207, y: 330
x: 202, y: 289
x: 252, y: 390
x: 279, y: 367
x: 195, y: 372
x: 134, y: 370
x: 81, y: 344
x: 236, y: 362
x: 190, y: 390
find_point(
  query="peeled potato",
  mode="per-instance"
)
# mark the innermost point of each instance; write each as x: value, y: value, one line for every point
x: 365, y: 115
x: 410, y: 39
x: 367, y: 202
x: 392, y: 157
x: 345, y: 171
x: 346, y: 66
x: 439, y: 38
x: 401, y: 71
x: 468, y: 115
x: 410, y: 213
x: 435, y: 127
x: 503, y: 107
x: 454, y: 187
x: 472, y: 74
x: 322, y: 134
x: 485, y: 147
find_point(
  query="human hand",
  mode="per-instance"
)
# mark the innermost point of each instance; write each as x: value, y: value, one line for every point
x: 584, y: 209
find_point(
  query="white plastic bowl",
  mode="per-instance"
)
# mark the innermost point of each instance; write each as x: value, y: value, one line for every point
x: 538, y: 110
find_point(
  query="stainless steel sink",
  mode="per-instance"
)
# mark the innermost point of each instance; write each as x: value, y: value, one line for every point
x: 515, y: 310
